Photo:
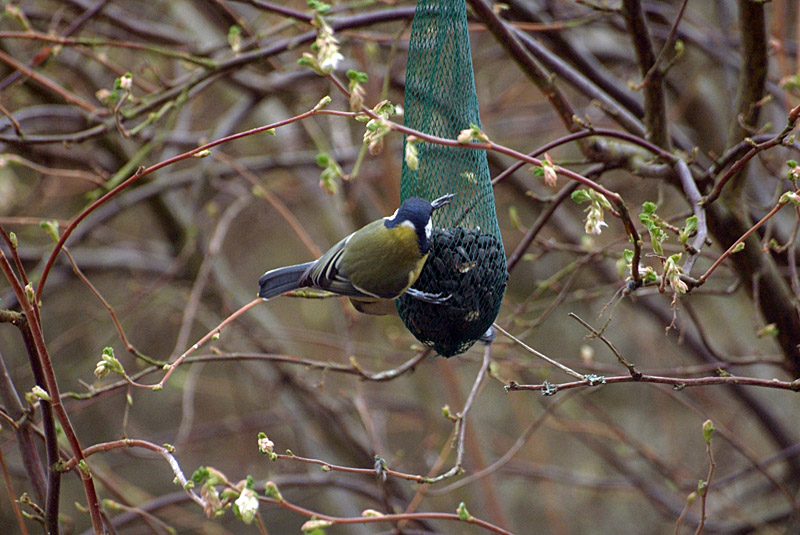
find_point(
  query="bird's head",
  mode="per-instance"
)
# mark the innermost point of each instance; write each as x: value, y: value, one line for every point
x: 416, y: 214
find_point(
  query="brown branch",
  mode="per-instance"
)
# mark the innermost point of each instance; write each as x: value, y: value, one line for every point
x: 620, y: 157
x: 460, y: 440
x: 95, y: 42
x: 23, y: 425
x: 45, y: 52
x: 68, y: 96
x: 40, y: 354
x: 12, y: 495
x: 354, y: 368
x: 753, y: 70
x: 510, y: 453
x: 387, y: 518
x: 678, y: 383
x: 668, y: 43
x: 280, y: 10
x: 144, y: 172
x: 326, y: 466
x: 738, y: 165
x: 540, y: 222
x: 166, y: 453
x: 735, y: 244
x: 76, y: 174
x: 180, y: 87
x: 111, y: 312
x: 14, y: 123
x: 598, y: 334
x: 655, y: 116
x: 23, y: 276
x: 211, y: 334
x: 22, y: 322
x: 506, y: 37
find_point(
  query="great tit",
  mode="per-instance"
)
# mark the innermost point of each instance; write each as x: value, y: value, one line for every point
x: 372, y: 266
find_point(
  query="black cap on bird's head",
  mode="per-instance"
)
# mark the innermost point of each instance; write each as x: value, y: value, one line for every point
x: 417, y: 212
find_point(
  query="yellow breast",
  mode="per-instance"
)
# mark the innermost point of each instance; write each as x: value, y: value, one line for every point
x: 392, y: 265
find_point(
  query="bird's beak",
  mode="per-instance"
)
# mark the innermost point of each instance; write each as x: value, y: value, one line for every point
x: 441, y: 201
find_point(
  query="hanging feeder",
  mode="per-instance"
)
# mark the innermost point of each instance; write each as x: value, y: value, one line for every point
x: 467, y: 260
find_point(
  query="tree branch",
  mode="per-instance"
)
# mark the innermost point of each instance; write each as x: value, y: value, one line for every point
x: 655, y: 117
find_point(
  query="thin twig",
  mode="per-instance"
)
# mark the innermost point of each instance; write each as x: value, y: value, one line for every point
x: 68, y: 96
x: 565, y: 369
x: 461, y: 419
x: 467, y: 518
x: 387, y: 375
x: 597, y: 334
x: 508, y: 455
x: 12, y: 496
x: 41, y: 354
x: 678, y: 383
x: 136, y: 443
x: 77, y: 174
x: 668, y: 44
x: 14, y: 123
x: 735, y: 244
x: 592, y: 132
x: 563, y: 194
x: 203, y: 274
x: 111, y: 312
x: 738, y: 165
x: 706, y: 485
x: 352, y: 369
x: 279, y: 206
x: 146, y: 171
x: 211, y: 334
x: 348, y: 469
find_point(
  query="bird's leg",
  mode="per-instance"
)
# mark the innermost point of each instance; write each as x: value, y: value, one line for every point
x: 434, y: 299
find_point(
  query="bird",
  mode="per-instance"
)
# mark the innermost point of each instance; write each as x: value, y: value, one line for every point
x: 372, y: 266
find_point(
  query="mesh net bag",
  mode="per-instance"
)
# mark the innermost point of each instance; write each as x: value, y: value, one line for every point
x: 466, y: 260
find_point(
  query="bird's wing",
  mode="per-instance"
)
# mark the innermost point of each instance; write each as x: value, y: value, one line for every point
x: 326, y: 274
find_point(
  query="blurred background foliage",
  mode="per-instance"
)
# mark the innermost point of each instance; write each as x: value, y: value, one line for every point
x: 181, y: 249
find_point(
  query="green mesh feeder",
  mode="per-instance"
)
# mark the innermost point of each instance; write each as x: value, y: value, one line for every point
x: 466, y: 260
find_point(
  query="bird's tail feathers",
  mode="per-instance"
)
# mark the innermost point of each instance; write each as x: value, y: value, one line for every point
x: 281, y: 280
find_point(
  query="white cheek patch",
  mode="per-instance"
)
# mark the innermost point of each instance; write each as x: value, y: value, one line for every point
x: 428, y: 228
x: 390, y: 217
